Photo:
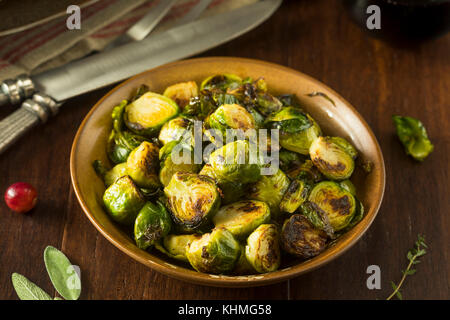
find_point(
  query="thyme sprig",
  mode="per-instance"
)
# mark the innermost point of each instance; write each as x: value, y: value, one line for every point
x: 412, y: 256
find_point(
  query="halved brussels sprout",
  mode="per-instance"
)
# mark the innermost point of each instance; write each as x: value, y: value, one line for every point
x: 168, y: 167
x: 147, y: 114
x: 289, y: 160
x: 143, y: 165
x: 270, y: 189
x: 216, y: 252
x: 243, y: 267
x: 300, y: 238
x: 231, y: 116
x: 182, y: 92
x: 221, y: 81
x: 232, y: 163
x: 267, y: 103
x: 192, y: 199
x: 123, y: 200
x: 317, y: 217
x: 338, y: 204
x: 305, y: 171
x: 413, y: 136
x: 176, y: 129
x: 263, y: 248
x: 333, y: 158
x: 297, y: 129
x: 295, y: 195
x: 175, y: 246
x: 229, y: 191
x: 241, y: 218
x: 152, y: 223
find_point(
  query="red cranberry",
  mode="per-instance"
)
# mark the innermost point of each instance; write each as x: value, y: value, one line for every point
x: 21, y: 197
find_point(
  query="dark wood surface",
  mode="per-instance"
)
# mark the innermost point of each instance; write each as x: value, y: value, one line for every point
x: 319, y: 39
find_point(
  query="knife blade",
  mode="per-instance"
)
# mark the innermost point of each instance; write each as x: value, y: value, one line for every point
x: 112, y: 66
x: 145, y: 25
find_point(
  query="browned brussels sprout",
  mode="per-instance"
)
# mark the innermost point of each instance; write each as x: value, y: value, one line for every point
x: 221, y: 81
x: 337, y: 203
x: 231, y: 116
x: 216, y: 252
x: 317, y: 217
x: 182, y: 92
x: 143, y: 165
x: 193, y: 199
x: 270, y: 189
x: 233, y: 163
x: 241, y: 218
x: 334, y: 157
x: 152, y: 223
x: 176, y: 129
x: 175, y: 245
x: 263, y: 248
x: 147, y: 114
x: 413, y: 136
x: 305, y: 171
x: 169, y: 167
x: 123, y: 200
x: 295, y: 195
x: 300, y: 238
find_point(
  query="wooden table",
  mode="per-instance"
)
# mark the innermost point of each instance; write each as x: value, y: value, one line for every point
x: 319, y: 39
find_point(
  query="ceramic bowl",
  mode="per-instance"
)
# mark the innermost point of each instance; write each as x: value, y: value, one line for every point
x: 336, y: 117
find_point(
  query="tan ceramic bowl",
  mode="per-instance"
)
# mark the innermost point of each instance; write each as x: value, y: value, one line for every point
x: 340, y: 120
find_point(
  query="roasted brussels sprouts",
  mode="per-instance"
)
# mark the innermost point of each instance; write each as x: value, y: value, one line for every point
x: 295, y: 195
x: 175, y: 246
x: 193, y: 199
x: 229, y: 191
x: 241, y: 218
x: 216, y: 252
x: 233, y: 163
x: 289, y: 160
x: 147, y: 114
x: 297, y: 129
x: 317, y: 217
x: 168, y: 167
x: 270, y: 189
x: 143, y: 165
x: 333, y: 157
x: 337, y: 203
x: 221, y: 81
x: 231, y: 116
x: 182, y: 92
x: 413, y: 136
x: 176, y: 129
x: 300, y: 238
x: 123, y: 200
x: 152, y: 223
x: 263, y: 248
x: 305, y: 171
x: 121, y: 142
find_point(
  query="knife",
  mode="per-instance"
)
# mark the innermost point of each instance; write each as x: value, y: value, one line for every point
x: 96, y: 71
x: 145, y: 25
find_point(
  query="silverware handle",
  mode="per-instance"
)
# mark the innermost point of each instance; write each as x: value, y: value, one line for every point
x: 14, y: 91
x: 15, y: 126
x: 31, y: 113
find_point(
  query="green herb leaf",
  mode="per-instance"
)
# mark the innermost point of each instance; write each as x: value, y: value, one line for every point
x: 62, y: 274
x: 27, y: 290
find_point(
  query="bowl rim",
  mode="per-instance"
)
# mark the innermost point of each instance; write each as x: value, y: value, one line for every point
x: 191, y: 276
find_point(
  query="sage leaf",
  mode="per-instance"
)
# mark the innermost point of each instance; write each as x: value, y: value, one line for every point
x: 27, y: 290
x: 62, y: 273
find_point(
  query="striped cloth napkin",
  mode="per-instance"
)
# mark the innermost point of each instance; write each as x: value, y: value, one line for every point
x: 52, y: 44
